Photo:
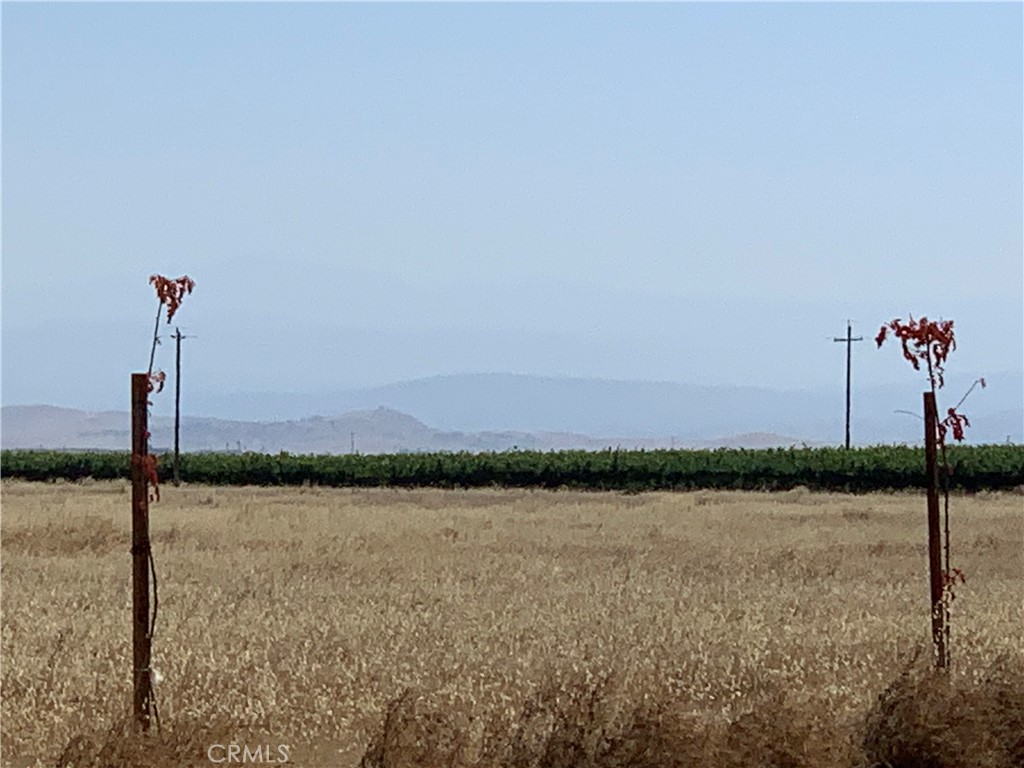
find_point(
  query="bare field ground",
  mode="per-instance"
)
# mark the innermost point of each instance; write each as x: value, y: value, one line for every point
x: 511, y: 628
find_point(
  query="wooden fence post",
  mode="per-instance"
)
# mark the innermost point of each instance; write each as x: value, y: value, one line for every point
x: 931, y: 417
x: 141, y: 641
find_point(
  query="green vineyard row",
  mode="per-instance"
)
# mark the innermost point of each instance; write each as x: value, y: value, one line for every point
x: 974, y: 468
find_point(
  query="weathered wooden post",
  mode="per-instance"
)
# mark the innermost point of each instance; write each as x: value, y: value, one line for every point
x: 931, y: 428
x: 849, y: 359
x: 141, y: 641
x: 177, y: 404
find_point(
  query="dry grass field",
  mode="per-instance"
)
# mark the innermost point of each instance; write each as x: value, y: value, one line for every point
x: 511, y: 628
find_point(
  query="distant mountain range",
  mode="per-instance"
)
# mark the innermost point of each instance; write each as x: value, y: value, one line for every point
x: 382, y: 430
x: 482, y: 412
x: 607, y: 409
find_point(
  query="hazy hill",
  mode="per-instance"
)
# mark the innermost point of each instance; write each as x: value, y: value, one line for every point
x: 645, y: 410
x: 499, y: 411
x: 382, y: 430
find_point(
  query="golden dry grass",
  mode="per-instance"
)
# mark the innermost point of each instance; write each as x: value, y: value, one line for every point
x: 511, y: 628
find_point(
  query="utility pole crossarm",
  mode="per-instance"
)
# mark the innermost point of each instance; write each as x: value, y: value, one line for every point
x: 848, y: 340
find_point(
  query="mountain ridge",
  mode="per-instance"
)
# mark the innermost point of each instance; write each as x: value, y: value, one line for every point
x: 646, y: 409
x: 382, y: 430
x: 494, y: 411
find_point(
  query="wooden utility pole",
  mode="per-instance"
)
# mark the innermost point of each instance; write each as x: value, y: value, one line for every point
x: 849, y: 358
x: 141, y: 640
x: 931, y: 418
x: 177, y: 403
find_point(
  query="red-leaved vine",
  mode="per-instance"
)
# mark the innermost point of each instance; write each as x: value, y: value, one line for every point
x: 170, y: 294
x: 930, y: 342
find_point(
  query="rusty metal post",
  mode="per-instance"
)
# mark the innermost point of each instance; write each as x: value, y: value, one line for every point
x: 141, y: 648
x: 931, y: 418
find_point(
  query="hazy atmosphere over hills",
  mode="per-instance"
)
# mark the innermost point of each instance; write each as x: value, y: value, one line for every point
x: 500, y: 412
x: 593, y: 196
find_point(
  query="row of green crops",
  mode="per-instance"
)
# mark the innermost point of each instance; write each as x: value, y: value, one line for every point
x: 975, y: 468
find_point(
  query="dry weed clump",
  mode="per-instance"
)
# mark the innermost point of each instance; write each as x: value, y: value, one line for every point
x: 924, y: 719
x: 576, y: 724
x: 499, y: 628
x: 183, y: 746
x: 929, y: 719
x: 562, y: 724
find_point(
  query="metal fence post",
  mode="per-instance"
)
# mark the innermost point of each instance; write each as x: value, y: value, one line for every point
x: 141, y: 641
x: 931, y: 417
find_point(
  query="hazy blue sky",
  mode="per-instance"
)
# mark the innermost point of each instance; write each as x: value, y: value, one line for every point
x: 367, y: 193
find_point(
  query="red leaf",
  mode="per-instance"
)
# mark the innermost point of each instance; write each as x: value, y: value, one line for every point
x: 923, y: 339
x: 156, y: 381
x: 147, y: 464
x: 956, y: 422
x: 172, y: 292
